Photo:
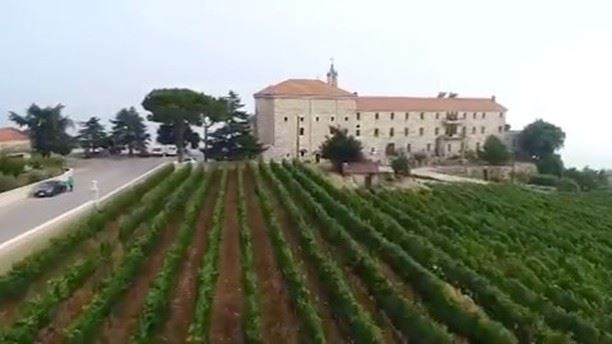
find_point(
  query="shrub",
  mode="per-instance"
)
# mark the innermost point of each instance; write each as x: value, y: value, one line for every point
x: 401, y: 165
x: 544, y: 180
x: 494, y: 151
x: 567, y: 185
x: 11, y: 166
x: 7, y: 182
x: 34, y: 176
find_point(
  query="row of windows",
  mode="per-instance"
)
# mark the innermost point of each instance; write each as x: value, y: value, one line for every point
x: 428, y: 148
x: 421, y: 131
x: 406, y: 116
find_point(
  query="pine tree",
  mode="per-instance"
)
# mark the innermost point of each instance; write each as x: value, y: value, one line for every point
x: 129, y: 130
x: 234, y: 140
x: 92, y: 136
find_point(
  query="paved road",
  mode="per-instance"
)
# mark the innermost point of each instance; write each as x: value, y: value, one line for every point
x: 21, y: 216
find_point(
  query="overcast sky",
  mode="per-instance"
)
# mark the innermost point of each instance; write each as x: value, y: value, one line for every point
x: 542, y: 59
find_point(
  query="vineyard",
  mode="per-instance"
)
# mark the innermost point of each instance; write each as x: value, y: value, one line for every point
x: 273, y: 253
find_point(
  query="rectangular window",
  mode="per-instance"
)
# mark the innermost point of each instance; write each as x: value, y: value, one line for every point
x: 437, y: 131
x: 421, y: 131
x: 477, y: 146
x: 391, y: 132
x: 358, y: 116
x: 376, y: 132
x: 473, y: 130
x: 449, y: 148
x: 286, y: 119
x: 474, y: 115
x: 482, y: 130
x: 357, y: 132
x: 501, y: 115
x: 392, y: 115
x: 301, y: 131
x: 317, y: 118
x: 422, y: 115
x: 408, y: 148
x: 437, y: 115
x: 332, y: 118
x: 429, y: 147
x: 464, y: 115
x: 499, y: 129
x: 463, y: 130
x: 484, y: 115
x: 406, y: 131
x: 331, y: 130
x: 301, y: 119
x: 406, y: 116
x: 376, y: 115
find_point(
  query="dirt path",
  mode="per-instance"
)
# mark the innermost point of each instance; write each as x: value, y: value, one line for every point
x: 183, y: 297
x: 122, y: 321
x: 279, y: 321
x: 335, y: 330
x: 226, y: 317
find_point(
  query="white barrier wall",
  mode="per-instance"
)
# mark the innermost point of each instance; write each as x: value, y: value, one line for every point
x: 36, y: 239
x: 24, y: 192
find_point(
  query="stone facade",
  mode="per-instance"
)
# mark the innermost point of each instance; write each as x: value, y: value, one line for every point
x: 294, y: 116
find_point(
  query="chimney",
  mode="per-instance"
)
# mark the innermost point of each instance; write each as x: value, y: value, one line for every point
x: 355, y: 94
x: 452, y: 95
x: 493, y: 97
x: 441, y: 94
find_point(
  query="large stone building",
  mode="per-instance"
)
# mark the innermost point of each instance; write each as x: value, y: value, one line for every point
x: 293, y: 118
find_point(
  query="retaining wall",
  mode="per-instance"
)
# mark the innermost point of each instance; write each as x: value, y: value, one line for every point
x: 24, y: 192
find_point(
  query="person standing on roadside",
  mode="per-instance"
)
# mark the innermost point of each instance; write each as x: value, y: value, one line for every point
x: 70, y: 182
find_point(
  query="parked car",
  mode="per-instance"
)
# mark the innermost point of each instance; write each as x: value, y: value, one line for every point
x: 50, y: 188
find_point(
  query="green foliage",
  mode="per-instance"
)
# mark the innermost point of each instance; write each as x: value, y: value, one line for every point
x: 92, y: 136
x: 567, y: 185
x: 154, y: 311
x: 544, y: 180
x: 16, y: 282
x: 166, y: 135
x: 129, y: 130
x: 252, y: 318
x: 209, y: 271
x: 540, y: 139
x: 390, y: 241
x: 38, y: 311
x: 587, y: 179
x: 234, y: 140
x: 405, y: 316
x: 401, y: 165
x: 182, y: 108
x: 340, y: 148
x: 300, y: 295
x: 7, y: 183
x: 82, y: 330
x: 550, y: 164
x: 11, y: 166
x: 494, y: 151
x: 47, y: 129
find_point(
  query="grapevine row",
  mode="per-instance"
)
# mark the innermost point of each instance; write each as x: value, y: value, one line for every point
x: 207, y: 277
x: 82, y: 330
x: 415, y: 326
x: 156, y: 303
x: 437, y: 295
x: 299, y: 293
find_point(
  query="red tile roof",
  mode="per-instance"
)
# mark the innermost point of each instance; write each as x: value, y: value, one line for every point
x: 303, y: 87
x: 12, y: 134
x: 427, y: 104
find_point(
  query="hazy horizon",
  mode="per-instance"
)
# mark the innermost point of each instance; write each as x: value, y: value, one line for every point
x: 546, y: 59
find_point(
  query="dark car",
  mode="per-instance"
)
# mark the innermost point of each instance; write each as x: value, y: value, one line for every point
x: 50, y: 188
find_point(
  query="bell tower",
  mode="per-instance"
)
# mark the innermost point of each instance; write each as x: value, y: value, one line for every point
x: 332, y: 75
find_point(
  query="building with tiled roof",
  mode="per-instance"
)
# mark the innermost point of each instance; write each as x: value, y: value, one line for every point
x: 293, y: 119
x: 13, y: 140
